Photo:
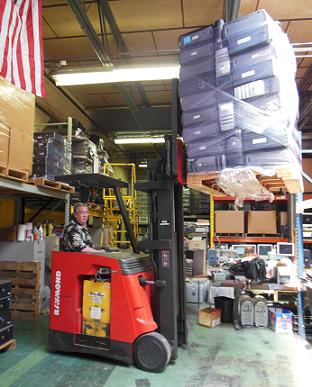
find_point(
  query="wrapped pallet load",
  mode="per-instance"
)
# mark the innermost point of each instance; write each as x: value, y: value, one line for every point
x: 17, y: 114
x: 240, y: 102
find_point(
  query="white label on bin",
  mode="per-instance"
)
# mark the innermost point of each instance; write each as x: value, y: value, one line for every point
x: 196, y: 116
x: 243, y: 40
x: 194, y: 53
x: 95, y: 313
x: 248, y: 73
x: 195, y: 37
x: 259, y: 140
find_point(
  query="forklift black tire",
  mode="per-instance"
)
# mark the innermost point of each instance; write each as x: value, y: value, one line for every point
x: 152, y: 352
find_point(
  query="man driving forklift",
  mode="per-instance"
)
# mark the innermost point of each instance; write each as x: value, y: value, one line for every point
x: 76, y: 235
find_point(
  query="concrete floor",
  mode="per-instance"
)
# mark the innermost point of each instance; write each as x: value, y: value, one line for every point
x: 214, y: 357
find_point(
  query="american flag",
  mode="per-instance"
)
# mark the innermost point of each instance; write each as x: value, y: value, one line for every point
x: 21, y: 51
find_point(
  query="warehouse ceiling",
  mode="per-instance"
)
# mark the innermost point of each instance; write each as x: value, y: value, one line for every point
x: 147, y: 31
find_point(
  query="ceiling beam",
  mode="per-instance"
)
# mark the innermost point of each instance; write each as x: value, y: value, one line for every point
x: 231, y: 9
x: 104, y: 58
x: 107, y: 13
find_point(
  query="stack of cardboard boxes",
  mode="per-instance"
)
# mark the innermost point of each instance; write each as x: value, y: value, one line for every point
x: 258, y: 222
x: 17, y: 111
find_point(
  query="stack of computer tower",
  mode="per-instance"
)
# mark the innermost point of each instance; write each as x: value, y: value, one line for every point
x: 238, y: 95
x: 6, y: 324
x: 52, y: 155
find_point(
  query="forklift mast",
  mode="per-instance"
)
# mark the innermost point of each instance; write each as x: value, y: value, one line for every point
x: 166, y: 234
x: 166, y: 244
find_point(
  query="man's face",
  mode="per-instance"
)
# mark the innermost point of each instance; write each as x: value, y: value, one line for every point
x: 82, y: 215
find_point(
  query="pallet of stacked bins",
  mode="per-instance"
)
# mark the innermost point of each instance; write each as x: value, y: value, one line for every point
x: 6, y: 324
x: 51, y: 155
x: 240, y: 103
x: 25, y: 280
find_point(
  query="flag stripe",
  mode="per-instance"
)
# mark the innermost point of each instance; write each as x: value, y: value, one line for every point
x: 21, y: 50
x: 37, y: 56
x: 25, y: 50
x: 16, y: 38
x: 12, y: 29
x: 6, y: 14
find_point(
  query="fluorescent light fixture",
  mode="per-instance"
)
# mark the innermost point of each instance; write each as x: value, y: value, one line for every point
x: 127, y: 74
x: 142, y: 165
x: 139, y: 140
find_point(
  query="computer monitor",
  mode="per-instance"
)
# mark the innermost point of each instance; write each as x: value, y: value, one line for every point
x: 285, y: 249
x: 240, y: 249
x: 264, y: 249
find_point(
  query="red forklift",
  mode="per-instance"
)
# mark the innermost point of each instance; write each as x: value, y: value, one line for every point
x: 128, y: 305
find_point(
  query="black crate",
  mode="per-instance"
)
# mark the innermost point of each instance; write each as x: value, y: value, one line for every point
x: 5, y: 312
x: 5, y: 289
x: 6, y: 334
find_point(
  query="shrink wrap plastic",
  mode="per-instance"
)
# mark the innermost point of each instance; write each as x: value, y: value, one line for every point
x: 240, y: 102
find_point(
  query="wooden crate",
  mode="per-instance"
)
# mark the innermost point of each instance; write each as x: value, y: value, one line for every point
x: 285, y: 180
x: 25, y: 279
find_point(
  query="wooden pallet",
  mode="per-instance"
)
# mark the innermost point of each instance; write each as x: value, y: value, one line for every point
x: 25, y: 279
x: 11, y: 344
x: 284, y: 180
x: 14, y: 174
x: 51, y: 184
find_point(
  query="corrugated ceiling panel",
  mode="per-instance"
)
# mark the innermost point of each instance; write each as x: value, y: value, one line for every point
x: 73, y: 48
x: 93, y: 89
x: 153, y: 86
x: 159, y: 97
x: 202, y: 12
x: 287, y: 9
x: 52, y: 2
x: 94, y: 100
x: 166, y: 40
x: 300, y: 31
x: 47, y: 32
x: 118, y: 100
x: 138, y: 15
x: 138, y: 42
x: 62, y: 20
x: 247, y: 6
x: 306, y: 62
x: 300, y: 72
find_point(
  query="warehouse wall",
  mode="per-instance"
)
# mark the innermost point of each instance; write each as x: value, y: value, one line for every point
x: 40, y: 118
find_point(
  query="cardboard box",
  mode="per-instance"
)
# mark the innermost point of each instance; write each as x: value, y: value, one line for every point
x: 283, y: 218
x: 4, y: 144
x: 17, y: 114
x: 280, y: 320
x: 209, y: 317
x: 195, y: 244
x: 17, y: 107
x: 230, y: 222
x: 8, y: 234
x: 307, y: 168
x: 262, y: 222
x: 20, y: 151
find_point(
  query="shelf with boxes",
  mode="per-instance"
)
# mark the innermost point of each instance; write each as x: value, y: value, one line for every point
x: 251, y: 224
